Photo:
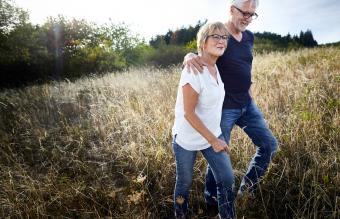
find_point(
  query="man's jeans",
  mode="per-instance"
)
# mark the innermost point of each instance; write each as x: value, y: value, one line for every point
x: 251, y: 120
x: 221, y: 170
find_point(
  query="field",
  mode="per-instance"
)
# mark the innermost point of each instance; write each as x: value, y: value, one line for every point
x: 101, y: 146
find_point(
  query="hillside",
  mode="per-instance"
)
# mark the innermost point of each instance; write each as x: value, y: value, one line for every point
x: 101, y: 146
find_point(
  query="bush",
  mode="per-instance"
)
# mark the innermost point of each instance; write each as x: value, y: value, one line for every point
x: 168, y: 55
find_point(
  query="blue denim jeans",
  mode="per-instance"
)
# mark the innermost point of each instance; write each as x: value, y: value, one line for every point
x: 251, y: 120
x: 221, y: 169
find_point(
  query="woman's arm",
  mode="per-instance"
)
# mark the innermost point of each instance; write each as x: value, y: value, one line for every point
x: 190, y: 99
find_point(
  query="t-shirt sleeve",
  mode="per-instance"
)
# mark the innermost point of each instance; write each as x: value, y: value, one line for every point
x: 190, y: 78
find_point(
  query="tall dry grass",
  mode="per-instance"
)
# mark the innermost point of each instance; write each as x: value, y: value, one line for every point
x: 101, y: 147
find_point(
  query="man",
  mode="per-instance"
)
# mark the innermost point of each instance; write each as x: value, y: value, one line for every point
x: 238, y: 107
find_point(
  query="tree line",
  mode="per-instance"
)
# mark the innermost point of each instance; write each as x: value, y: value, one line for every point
x: 264, y: 42
x: 267, y: 41
x: 70, y: 48
x: 63, y: 48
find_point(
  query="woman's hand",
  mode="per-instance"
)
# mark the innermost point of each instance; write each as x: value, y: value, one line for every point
x: 219, y: 145
x: 193, y: 62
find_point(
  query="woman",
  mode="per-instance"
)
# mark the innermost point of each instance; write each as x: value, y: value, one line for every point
x: 197, y: 124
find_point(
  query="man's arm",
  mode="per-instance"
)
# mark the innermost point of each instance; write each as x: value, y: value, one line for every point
x: 193, y: 62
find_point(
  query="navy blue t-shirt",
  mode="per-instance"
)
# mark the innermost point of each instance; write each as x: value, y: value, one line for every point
x: 235, y: 70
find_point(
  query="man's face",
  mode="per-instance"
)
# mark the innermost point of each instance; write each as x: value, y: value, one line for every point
x: 241, y: 17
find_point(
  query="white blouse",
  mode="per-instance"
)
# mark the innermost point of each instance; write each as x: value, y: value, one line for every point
x: 208, y: 109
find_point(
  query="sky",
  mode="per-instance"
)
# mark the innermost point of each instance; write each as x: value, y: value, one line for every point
x: 149, y: 18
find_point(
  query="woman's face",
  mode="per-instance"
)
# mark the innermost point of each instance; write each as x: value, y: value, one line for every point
x: 216, y: 43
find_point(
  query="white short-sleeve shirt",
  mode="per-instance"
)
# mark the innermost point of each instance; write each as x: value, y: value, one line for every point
x: 208, y: 109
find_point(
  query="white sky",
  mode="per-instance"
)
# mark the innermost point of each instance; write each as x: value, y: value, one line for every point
x: 152, y: 17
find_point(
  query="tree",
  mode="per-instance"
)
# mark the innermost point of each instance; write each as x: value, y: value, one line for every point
x: 120, y: 36
x: 121, y: 40
x: 11, y: 16
x: 22, y: 54
x: 66, y: 40
x: 307, y: 39
x: 157, y: 41
x: 181, y: 36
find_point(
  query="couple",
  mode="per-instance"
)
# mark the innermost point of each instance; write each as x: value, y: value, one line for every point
x: 222, y: 88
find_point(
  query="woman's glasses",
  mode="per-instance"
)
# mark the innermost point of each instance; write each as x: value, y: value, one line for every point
x: 217, y: 37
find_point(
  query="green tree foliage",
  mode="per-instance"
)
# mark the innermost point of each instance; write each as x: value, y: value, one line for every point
x: 71, y: 48
x: 24, y: 55
x: 21, y: 50
x: 63, y: 48
x: 267, y: 41
x: 307, y: 39
x: 185, y: 37
x: 171, y: 47
x: 120, y: 39
x: 79, y: 47
x: 335, y: 44
x: 181, y: 36
x: 158, y: 41
x: 11, y: 16
x: 191, y: 46
x: 167, y: 55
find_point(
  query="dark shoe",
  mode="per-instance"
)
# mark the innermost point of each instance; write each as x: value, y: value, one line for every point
x: 211, y: 210
x: 180, y: 216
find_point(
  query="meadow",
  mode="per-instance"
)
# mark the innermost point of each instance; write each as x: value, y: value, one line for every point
x: 100, y: 147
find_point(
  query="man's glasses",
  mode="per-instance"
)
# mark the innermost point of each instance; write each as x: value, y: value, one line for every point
x: 217, y: 37
x: 247, y: 15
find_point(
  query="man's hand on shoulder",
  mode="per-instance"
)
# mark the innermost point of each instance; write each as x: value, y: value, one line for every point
x: 193, y: 63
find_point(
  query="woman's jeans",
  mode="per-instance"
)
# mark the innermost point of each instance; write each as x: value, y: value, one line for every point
x: 221, y: 169
x: 251, y: 120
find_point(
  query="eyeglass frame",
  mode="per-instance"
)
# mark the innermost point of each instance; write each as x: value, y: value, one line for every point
x: 247, y: 15
x: 218, y: 37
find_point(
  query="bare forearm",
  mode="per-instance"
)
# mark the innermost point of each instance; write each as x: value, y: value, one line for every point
x: 190, y: 99
x: 197, y: 124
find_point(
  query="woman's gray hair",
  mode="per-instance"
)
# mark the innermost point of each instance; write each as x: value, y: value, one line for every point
x: 206, y: 30
x: 239, y: 3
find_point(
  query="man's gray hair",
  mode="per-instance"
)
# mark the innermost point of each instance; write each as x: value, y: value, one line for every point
x: 239, y: 3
